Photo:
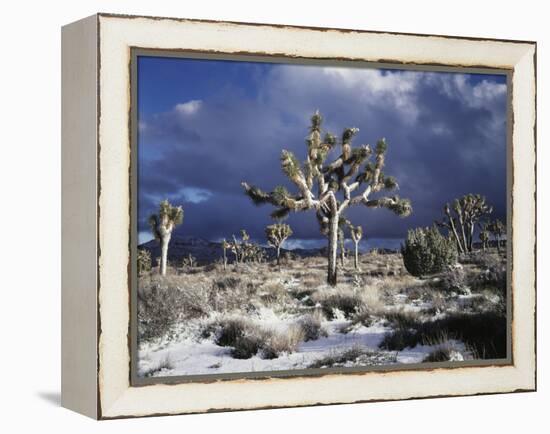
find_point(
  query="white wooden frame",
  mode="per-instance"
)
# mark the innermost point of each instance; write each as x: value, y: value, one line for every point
x: 96, y: 216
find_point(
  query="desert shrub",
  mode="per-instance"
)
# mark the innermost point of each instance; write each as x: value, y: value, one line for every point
x: 226, y: 330
x: 483, y: 332
x: 438, y: 355
x: 399, y: 339
x: 402, y: 319
x: 230, y: 294
x: 274, y: 293
x: 426, y: 251
x: 143, y: 261
x: 312, y: 327
x: 226, y: 283
x: 454, y: 279
x: 364, y: 317
x: 246, y: 346
x: 494, y: 277
x: 346, y: 301
x: 158, y: 310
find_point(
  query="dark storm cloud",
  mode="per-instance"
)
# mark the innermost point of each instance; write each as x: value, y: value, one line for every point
x: 447, y: 136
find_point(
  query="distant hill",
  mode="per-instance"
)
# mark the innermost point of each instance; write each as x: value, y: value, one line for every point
x: 206, y: 252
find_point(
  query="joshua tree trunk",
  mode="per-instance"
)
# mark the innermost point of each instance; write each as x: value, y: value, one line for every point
x: 455, y: 233
x: 342, y: 253
x: 165, y: 239
x: 332, y: 250
x: 278, y: 255
x: 498, y: 243
x: 224, y: 260
x: 356, y: 256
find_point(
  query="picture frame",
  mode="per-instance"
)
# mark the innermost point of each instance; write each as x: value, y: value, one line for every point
x: 99, y: 126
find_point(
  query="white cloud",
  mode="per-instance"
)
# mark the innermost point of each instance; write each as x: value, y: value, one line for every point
x: 293, y: 87
x: 189, y: 108
x: 195, y: 194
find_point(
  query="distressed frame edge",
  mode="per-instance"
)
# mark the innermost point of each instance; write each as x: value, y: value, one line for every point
x: 79, y: 141
x: 529, y: 386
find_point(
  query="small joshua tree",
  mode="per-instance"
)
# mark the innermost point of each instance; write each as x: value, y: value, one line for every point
x: 244, y: 250
x: 189, y: 261
x: 331, y: 188
x: 143, y: 261
x: 225, y: 246
x: 162, y: 225
x: 276, y: 235
x: 484, y: 238
x: 356, y: 235
x: 461, y: 218
x: 497, y: 229
x: 342, y: 241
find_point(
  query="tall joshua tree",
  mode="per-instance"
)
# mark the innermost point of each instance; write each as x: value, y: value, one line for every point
x: 162, y: 225
x: 331, y: 188
x: 276, y: 235
x: 356, y: 235
x: 461, y: 218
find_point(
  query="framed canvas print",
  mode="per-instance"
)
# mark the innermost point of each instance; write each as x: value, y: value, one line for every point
x: 261, y: 216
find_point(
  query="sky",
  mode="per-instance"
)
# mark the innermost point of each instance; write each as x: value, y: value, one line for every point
x: 206, y: 125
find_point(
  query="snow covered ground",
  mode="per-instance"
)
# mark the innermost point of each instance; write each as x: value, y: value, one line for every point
x: 389, y: 308
x: 191, y: 356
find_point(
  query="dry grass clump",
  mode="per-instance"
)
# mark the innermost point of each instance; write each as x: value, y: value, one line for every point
x: 273, y: 293
x: 277, y: 343
x: 249, y: 338
x: 164, y: 364
x: 345, y: 300
x: 311, y: 325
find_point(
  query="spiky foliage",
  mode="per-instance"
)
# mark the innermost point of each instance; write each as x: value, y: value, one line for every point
x: 245, y: 250
x: 162, y: 224
x: 461, y: 218
x: 353, y: 178
x: 497, y: 229
x: 356, y: 233
x: 143, y: 261
x: 426, y: 251
x: 276, y: 235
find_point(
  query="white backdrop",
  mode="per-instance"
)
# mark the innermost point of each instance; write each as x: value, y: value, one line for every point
x: 30, y: 217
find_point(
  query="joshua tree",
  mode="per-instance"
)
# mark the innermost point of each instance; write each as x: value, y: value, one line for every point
x: 497, y: 229
x: 343, y: 223
x: 162, y: 225
x: 143, y: 261
x: 244, y: 250
x: 461, y: 219
x: 225, y: 246
x: 484, y: 237
x: 329, y: 189
x: 276, y: 235
x: 356, y: 235
x: 190, y: 261
x: 237, y: 247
